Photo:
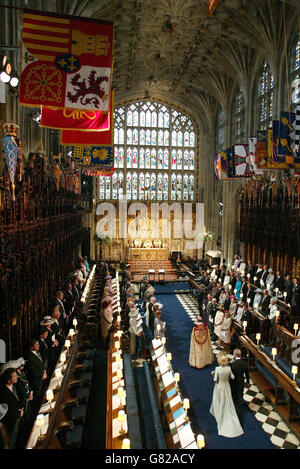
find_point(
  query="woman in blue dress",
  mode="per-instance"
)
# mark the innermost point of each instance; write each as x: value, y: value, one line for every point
x: 238, y: 287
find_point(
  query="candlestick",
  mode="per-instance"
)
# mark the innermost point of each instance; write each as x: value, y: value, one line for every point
x: 120, y: 395
x: 186, y: 406
x: 40, y: 420
x: 285, y: 295
x: 177, y: 379
x: 277, y: 315
x: 254, y: 279
x: 50, y: 396
x: 296, y: 327
x: 274, y: 353
x: 248, y: 301
x: 121, y: 419
x: 248, y: 275
x: 241, y: 295
x: 75, y: 322
x: 245, y: 325
x: 258, y: 338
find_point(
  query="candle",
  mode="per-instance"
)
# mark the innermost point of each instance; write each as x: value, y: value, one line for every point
x: 258, y: 338
x: 169, y: 356
x: 235, y: 291
x: 75, y: 322
x: 294, y: 371
x: 277, y: 315
x: 58, y: 373
x: 241, y: 295
x: 177, y: 378
x: 49, y: 396
x: 120, y: 395
x: 71, y: 333
x: 126, y: 443
x: 163, y: 340
x: 121, y: 419
x: 186, y: 404
x: 245, y: 325
x: 229, y: 287
x: 40, y: 420
x: 296, y: 327
x: 276, y: 290
x: 254, y: 278
x: 158, y: 327
x: 200, y: 441
x: 117, y: 345
x: 248, y: 300
x: 219, y: 280
x: 248, y: 275
x: 274, y: 353
x: 67, y: 343
x: 285, y: 294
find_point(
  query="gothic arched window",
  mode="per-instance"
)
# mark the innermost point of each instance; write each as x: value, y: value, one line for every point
x: 265, y: 97
x: 238, y: 119
x: 295, y: 75
x: 154, y: 152
x: 220, y: 130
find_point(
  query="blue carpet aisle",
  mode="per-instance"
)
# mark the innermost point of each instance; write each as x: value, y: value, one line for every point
x: 198, y: 385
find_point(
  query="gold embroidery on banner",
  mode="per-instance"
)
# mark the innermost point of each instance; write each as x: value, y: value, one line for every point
x: 101, y: 154
x: 91, y: 115
x: 89, y: 44
x: 43, y: 83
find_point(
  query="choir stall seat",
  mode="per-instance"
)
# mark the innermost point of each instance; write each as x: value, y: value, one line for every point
x: 70, y: 435
x: 75, y: 411
x: 77, y: 389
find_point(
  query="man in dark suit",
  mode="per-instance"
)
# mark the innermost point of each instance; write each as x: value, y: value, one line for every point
x: 239, y: 368
x: 244, y: 288
x: 211, y: 313
x: 257, y: 276
x: 279, y: 282
x: 295, y: 311
x: 265, y: 274
x: 35, y: 372
x: 250, y: 295
x: 9, y: 396
x: 265, y: 303
x: 44, y: 350
x: 59, y: 301
x: 251, y: 269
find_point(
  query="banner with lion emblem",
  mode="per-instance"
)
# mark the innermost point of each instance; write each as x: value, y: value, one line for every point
x: 66, y: 62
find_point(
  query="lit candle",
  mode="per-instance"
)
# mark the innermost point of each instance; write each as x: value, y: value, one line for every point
x: 254, y: 278
x: 248, y: 275
x: 40, y: 420
x: 120, y: 395
x: 67, y: 344
x: 186, y: 406
x: 245, y: 325
x: 121, y: 419
x: 241, y: 295
x: 71, y: 333
x: 276, y: 290
x: 169, y: 356
x: 294, y: 371
x: 117, y: 345
x: 63, y: 357
x: 200, y: 441
x: 49, y: 396
x: 220, y: 280
x: 296, y: 327
x: 126, y: 443
x: 118, y: 320
x: 277, y: 315
x: 229, y: 287
x: 248, y: 300
x: 75, y: 322
x: 58, y: 373
x: 158, y: 327
x: 258, y: 338
x: 235, y: 291
x: 274, y: 353
x: 285, y: 294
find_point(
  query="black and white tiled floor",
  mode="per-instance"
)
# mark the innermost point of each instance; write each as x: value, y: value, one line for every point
x: 280, y: 434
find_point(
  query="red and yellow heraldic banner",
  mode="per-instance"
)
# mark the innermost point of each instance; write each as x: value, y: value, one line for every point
x: 212, y: 4
x: 75, y: 119
x: 66, y: 62
x: 79, y: 137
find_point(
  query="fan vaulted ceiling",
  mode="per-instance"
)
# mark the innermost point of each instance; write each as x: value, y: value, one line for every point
x: 173, y: 51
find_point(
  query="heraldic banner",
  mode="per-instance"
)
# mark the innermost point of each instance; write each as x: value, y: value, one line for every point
x: 66, y: 62
x: 80, y: 137
x: 93, y: 157
x: 75, y: 119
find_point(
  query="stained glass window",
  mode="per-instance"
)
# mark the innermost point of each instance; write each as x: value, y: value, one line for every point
x: 265, y: 97
x: 220, y: 130
x: 154, y: 147
x: 295, y: 76
x: 238, y: 124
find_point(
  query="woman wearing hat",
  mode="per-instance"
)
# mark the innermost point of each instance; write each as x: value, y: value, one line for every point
x: 26, y: 396
x: 4, y: 438
x: 51, y: 342
x: 219, y: 317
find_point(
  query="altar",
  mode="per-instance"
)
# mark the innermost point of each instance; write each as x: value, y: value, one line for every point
x: 148, y: 254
